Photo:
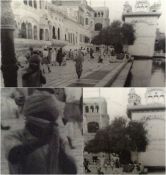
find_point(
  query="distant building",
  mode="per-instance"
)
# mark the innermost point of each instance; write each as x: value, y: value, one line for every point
x: 144, y: 18
x: 153, y: 114
x: 58, y: 23
x: 95, y: 116
x: 101, y: 18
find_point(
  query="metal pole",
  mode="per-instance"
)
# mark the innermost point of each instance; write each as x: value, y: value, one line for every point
x: 8, y: 59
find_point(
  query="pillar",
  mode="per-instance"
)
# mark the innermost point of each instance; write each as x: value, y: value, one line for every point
x: 8, y: 58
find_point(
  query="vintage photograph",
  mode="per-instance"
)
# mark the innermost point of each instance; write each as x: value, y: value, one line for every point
x: 41, y: 131
x: 83, y: 43
x: 124, y: 130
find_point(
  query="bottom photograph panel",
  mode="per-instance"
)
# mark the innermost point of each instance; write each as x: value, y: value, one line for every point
x: 124, y: 130
x: 41, y: 131
x: 82, y: 131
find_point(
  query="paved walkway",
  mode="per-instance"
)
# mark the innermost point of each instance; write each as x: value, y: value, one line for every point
x: 63, y: 76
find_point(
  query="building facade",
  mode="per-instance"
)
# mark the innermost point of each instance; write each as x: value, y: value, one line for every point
x: 48, y: 22
x: 153, y: 114
x: 144, y: 18
x: 95, y: 116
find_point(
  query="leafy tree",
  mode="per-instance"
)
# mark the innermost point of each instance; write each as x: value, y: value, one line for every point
x: 117, y: 35
x: 120, y: 137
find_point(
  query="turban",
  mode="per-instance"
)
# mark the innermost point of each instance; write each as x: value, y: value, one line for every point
x: 43, y: 106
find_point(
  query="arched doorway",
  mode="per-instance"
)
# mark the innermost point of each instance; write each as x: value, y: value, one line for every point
x: 98, y: 27
x: 29, y: 31
x: 23, y: 33
x: 93, y: 127
x: 58, y: 34
x: 35, y: 32
x: 53, y: 33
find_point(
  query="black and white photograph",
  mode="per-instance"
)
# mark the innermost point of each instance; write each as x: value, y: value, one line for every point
x: 41, y: 131
x: 124, y: 130
x: 83, y: 43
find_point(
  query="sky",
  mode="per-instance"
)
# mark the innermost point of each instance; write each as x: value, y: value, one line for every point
x: 116, y: 9
x: 117, y: 98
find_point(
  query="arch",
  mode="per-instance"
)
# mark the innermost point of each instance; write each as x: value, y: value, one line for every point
x: 25, y: 2
x: 23, y: 33
x: 102, y: 14
x: 30, y: 3
x: 98, y: 14
x: 29, y: 31
x: 41, y: 34
x: 93, y: 127
x: 46, y: 35
x: 92, y: 108
x: 53, y: 33
x: 58, y: 33
x: 35, y: 32
x: 98, y: 27
x: 97, y: 108
x: 95, y: 15
x: 35, y: 4
x: 86, y: 109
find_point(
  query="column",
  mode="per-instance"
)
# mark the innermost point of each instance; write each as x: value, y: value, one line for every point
x: 9, y: 67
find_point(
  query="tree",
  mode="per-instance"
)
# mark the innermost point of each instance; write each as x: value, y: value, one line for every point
x: 117, y: 35
x: 160, y: 45
x: 120, y: 137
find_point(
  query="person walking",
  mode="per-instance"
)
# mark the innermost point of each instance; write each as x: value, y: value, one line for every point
x: 45, y: 60
x: 79, y: 61
x: 59, y: 57
x: 33, y: 75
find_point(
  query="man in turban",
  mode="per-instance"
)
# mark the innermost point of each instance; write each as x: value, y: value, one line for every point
x: 39, y: 147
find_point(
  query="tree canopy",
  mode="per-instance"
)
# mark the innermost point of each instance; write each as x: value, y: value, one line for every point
x: 119, y: 137
x: 117, y: 34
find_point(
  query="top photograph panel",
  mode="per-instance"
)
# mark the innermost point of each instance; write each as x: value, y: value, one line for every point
x: 82, y: 43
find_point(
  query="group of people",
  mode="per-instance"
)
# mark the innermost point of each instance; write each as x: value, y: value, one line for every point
x: 43, y: 145
x: 39, y: 62
x: 103, y: 165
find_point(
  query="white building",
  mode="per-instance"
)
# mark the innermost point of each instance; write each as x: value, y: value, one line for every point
x: 153, y: 113
x: 49, y: 22
x: 95, y: 116
x: 144, y: 19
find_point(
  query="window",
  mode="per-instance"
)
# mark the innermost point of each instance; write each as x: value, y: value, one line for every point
x: 86, y: 21
x: 93, y: 127
x: 95, y: 15
x: 41, y: 34
x: 102, y: 14
x: 98, y: 14
x: 29, y: 31
x: 58, y: 34
x: 86, y: 109
x: 25, y: 2
x: 98, y: 27
x: 23, y: 32
x: 30, y: 3
x: 46, y: 35
x: 35, y: 4
x: 92, y: 108
x: 35, y: 33
x: 97, y: 109
x: 53, y: 33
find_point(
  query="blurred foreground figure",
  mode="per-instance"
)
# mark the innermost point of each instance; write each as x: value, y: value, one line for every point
x: 39, y: 148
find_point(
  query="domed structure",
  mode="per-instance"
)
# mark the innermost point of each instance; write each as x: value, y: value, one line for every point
x: 155, y: 96
x: 127, y: 7
x: 133, y: 99
x: 142, y: 6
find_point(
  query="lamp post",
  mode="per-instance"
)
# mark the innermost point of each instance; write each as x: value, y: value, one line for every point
x: 8, y: 59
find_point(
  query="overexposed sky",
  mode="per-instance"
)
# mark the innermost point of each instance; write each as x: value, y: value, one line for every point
x: 116, y: 9
x: 117, y: 98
